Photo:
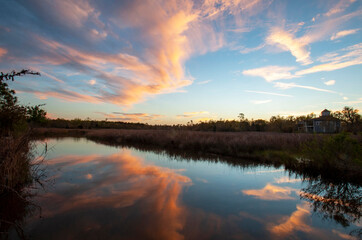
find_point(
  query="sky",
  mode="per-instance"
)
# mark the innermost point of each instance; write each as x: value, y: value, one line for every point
x: 173, y: 61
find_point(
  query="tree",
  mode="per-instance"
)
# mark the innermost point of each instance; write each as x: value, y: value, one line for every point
x: 35, y: 114
x: 350, y: 118
x: 16, y: 159
x: 241, y: 116
x: 12, y: 115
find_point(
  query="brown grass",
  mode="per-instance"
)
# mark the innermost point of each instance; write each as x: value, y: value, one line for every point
x: 241, y: 148
x: 221, y: 143
x: 18, y: 165
x: 14, y: 162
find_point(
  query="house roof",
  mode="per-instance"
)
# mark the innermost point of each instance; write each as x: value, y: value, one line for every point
x: 326, y: 110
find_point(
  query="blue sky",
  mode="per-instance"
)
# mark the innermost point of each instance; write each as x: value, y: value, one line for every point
x: 174, y: 61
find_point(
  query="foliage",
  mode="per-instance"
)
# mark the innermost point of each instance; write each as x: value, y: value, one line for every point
x: 15, y: 154
x: 350, y: 118
x: 339, y: 150
x: 340, y: 201
x: 35, y: 114
x: 275, y: 124
x: 13, y: 116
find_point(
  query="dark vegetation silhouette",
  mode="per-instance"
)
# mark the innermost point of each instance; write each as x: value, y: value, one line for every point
x: 336, y: 201
x: 351, y: 122
x: 19, y: 167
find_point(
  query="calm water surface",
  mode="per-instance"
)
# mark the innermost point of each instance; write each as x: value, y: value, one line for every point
x: 103, y: 192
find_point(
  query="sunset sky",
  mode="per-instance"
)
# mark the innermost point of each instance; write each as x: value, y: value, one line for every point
x: 170, y: 61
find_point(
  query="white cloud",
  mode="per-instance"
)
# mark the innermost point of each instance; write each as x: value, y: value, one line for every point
x: 260, y: 101
x: 344, y: 33
x: 286, y: 41
x: 293, y: 85
x: 271, y: 73
x: 203, y: 82
x: 330, y: 82
x: 346, y: 57
x: 345, y: 98
x: 269, y: 93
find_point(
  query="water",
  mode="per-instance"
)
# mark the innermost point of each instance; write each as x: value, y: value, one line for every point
x: 101, y: 192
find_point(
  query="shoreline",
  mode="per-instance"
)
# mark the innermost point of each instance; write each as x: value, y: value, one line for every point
x: 242, y: 148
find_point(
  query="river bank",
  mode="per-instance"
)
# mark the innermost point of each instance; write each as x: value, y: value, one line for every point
x: 329, y: 156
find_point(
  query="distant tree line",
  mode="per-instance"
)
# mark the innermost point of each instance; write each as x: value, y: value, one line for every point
x: 349, y: 117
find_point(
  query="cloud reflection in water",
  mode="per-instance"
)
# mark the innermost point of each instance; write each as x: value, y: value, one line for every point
x: 110, y: 196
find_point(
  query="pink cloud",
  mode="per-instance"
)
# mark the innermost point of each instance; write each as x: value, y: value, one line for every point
x: 65, y: 95
x: 298, y: 221
x: 341, y: 6
x: 344, y: 33
x: 130, y: 117
x: 271, y: 192
x: 3, y: 51
x: 158, y: 190
x: 288, y: 42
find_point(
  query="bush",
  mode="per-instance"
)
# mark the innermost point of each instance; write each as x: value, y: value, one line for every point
x: 340, y: 150
x: 15, y: 152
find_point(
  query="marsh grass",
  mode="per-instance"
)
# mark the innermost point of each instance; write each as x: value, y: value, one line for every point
x: 15, y: 169
x: 19, y: 167
x: 220, y: 143
x: 21, y: 170
x: 310, y: 155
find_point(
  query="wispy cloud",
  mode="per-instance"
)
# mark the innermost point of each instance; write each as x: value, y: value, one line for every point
x: 192, y: 114
x: 271, y: 73
x: 330, y: 82
x: 286, y: 179
x: 148, y: 51
x: 297, y: 222
x: 264, y: 171
x: 203, y: 82
x: 286, y: 41
x: 66, y: 95
x: 358, y: 101
x: 240, y: 30
x: 269, y: 93
x: 341, y: 6
x: 294, y: 85
x: 343, y: 235
x: 130, y: 117
x: 246, y: 50
x: 3, y: 51
x: 271, y: 192
x: 260, y: 101
x: 299, y: 47
x: 92, y: 82
x: 344, y: 33
x: 326, y: 27
x: 346, y: 57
